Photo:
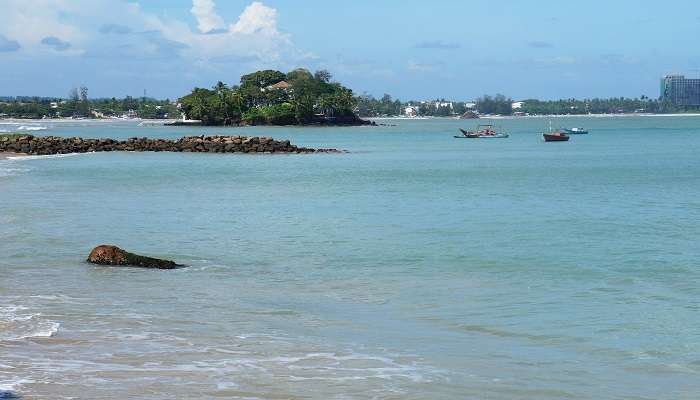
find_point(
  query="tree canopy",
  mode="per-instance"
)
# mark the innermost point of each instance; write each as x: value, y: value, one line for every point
x: 273, y: 97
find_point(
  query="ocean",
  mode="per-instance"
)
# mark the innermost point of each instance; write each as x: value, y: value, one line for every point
x: 415, y: 266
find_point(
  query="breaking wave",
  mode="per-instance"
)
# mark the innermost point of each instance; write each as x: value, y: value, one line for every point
x: 18, y: 324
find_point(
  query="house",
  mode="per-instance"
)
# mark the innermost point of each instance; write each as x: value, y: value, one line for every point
x: 282, y: 85
x: 517, y: 105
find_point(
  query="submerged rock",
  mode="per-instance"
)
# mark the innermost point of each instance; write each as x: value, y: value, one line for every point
x: 113, y: 255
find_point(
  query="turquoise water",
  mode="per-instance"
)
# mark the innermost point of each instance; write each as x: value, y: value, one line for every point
x: 416, y: 266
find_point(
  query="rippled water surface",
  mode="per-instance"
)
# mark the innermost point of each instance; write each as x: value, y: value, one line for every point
x: 416, y: 266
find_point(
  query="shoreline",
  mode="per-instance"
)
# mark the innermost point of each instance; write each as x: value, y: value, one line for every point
x: 4, y: 155
x: 397, y: 118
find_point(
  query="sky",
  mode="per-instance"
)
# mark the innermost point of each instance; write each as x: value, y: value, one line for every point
x: 413, y: 50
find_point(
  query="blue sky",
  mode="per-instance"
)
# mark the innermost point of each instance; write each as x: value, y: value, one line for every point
x: 410, y: 49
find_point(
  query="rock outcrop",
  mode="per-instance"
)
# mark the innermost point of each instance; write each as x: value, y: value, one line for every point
x: 113, y: 255
x: 469, y: 115
x: 47, y: 145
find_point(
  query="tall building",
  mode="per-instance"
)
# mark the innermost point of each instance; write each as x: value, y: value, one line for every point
x: 680, y: 90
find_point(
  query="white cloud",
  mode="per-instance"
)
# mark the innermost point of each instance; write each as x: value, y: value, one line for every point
x: 257, y: 18
x: 30, y: 22
x: 100, y: 42
x: 89, y: 27
x: 207, y: 18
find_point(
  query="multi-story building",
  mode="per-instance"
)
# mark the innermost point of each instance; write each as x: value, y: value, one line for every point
x: 680, y: 90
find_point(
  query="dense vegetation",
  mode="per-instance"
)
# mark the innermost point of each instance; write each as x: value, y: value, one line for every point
x: 273, y: 97
x: 498, y: 104
x: 369, y: 106
x: 78, y: 105
x: 603, y: 106
x: 300, y: 97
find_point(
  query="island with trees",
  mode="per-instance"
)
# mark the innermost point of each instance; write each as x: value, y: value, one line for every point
x: 272, y: 97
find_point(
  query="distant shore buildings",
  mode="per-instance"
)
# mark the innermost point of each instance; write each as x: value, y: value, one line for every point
x: 680, y: 91
x: 410, y: 111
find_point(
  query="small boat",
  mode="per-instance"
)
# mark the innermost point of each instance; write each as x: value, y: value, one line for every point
x: 467, y: 135
x: 575, y: 131
x: 555, y: 136
x: 482, y: 132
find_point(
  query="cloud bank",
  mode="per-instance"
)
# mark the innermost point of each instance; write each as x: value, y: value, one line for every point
x: 7, y: 45
x: 115, y: 29
x: 117, y: 46
x: 55, y: 43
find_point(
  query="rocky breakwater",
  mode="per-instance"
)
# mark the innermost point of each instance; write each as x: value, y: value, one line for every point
x: 48, y: 145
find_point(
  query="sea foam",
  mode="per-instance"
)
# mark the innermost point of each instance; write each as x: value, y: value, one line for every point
x: 18, y: 324
x: 32, y: 128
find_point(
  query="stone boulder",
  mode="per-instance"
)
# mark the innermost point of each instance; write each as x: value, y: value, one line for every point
x: 113, y: 255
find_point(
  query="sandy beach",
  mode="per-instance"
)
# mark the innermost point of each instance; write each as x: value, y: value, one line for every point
x: 5, y: 156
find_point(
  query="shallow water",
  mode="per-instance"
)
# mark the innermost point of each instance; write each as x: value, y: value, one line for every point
x: 416, y: 266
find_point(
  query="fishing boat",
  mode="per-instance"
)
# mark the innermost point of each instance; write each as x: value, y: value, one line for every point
x: 555, y: 136
x: 575, y: 131
x: 482, y: 132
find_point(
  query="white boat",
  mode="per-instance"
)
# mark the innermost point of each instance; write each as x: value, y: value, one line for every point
x: 575, y: 131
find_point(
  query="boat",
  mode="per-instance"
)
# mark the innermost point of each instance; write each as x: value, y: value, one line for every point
x: 575, y: 131
x: 482, y: 132
x: 467, y: 135
x: 495, y: 136
x: 555, y: 136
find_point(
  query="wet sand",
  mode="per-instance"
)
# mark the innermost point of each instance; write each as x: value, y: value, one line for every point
x: 4, y: 156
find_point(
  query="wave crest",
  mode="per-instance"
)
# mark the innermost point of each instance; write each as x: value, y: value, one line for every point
x: 18, y: 324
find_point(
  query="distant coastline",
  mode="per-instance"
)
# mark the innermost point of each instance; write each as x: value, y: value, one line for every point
x: 616, y: 115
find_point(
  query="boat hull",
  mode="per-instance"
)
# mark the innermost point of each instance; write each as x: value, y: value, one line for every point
x: 555, y: 137
x: 478, y: 135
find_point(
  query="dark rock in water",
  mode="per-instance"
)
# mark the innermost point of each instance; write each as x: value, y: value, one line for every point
x: 113, y: 255
x: 469, y: 115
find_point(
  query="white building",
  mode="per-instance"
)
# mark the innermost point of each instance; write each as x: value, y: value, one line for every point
x: 410, y: 111
x: 517, y: 105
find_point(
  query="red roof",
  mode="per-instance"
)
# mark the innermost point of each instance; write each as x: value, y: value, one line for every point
x: 280, y: 85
